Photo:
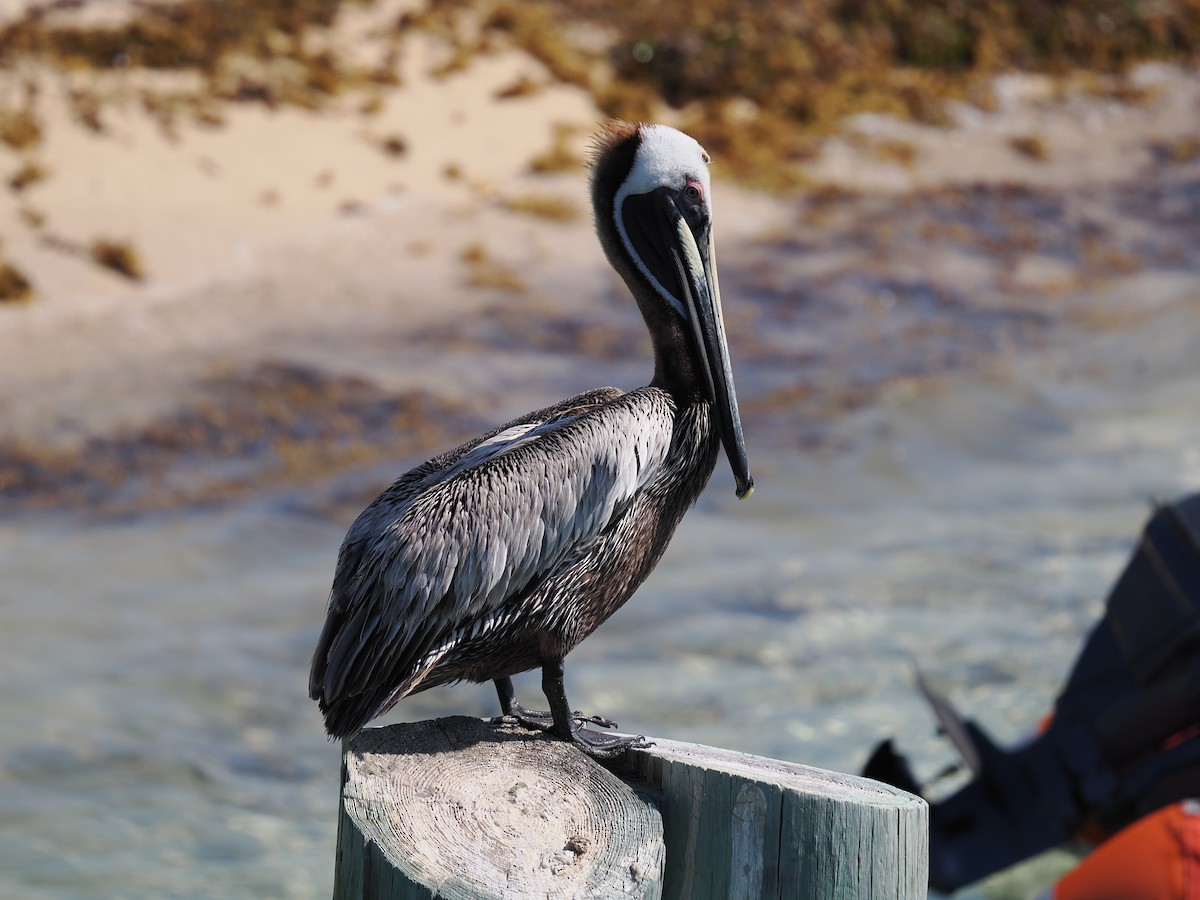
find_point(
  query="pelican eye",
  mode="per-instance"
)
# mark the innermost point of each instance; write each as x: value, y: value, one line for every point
x: 692, y: 191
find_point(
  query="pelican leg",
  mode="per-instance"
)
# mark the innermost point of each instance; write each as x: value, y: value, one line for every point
x: 539, y: 721
x: 568, y: 725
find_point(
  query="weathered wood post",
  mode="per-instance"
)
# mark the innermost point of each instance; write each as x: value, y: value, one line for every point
x: 742, y: 826
x: 461, y: 808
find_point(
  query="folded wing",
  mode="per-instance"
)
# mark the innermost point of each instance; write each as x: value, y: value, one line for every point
x: 454, y: 540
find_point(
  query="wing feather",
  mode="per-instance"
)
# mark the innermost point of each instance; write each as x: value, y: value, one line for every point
x: 454, y: 539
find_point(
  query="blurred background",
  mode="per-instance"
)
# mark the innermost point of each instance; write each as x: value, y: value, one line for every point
x: 259, y: 258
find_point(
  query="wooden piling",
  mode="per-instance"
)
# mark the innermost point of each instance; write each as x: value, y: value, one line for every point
x: 460, y: 808
x: 742, y: 826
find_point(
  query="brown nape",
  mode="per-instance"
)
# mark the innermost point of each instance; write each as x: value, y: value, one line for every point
x: 612, y: 133
x: 613, y: 153
x: 610, y: 161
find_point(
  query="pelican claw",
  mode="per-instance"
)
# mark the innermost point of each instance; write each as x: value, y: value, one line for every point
x: 607, y: 746
x: 593, y: 720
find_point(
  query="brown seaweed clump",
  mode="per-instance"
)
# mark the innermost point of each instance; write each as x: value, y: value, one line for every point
x: 14, y: 286
x: 756, y: 82
x: 260, y: 51
x: 283, y: 420
x: 543, y: 206
x: 483, y: 271
x: 559, y: 157
x: 29, y: 174
x: 1030, y: 146
x: 19, y: 128
x: 119, y: 256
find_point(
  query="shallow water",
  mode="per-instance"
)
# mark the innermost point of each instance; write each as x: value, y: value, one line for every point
x: 950, y: 473
x: 157, y: 740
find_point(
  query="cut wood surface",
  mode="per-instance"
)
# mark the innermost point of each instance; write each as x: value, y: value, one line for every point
x: 460, y: 808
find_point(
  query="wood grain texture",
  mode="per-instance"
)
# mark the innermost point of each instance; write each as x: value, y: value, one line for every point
x: 742, y: 826
x: 460, y: 808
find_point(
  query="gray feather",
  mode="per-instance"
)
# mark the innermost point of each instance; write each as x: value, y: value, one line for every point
x: 454, y: 540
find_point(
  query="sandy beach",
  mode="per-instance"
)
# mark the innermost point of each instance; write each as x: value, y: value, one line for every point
x: 964, y: 353
x: 288, y: 235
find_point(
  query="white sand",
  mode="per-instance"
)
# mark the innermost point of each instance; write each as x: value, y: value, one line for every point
x: 259, y: 235
x: 292, y: 234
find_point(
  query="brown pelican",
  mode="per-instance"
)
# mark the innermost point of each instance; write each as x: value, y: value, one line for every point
x: 501, y: 555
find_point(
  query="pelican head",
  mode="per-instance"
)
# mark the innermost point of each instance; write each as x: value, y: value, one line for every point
x: 653, y: 208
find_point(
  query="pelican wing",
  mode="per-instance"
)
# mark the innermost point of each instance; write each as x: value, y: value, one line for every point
x: 451, y: 541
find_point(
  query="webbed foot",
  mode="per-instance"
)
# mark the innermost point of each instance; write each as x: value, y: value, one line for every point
x: 606, y: 746
x: 544, y: 721
x: 562, y: 721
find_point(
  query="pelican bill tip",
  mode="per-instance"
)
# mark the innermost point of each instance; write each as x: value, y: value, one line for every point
x: 745, y: 490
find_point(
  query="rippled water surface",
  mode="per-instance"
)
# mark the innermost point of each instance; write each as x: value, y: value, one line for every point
x: 157, y: 739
